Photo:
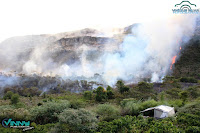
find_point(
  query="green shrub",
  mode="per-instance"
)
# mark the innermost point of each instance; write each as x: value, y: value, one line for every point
x: 44, y: 95
x: 107, y: 112
x: 183, y: 95
x: 163, y: 127
x: 191, y: 108
x: 162, y: 96
x: 193, y: 91
x: 47, y: 113
x: 45, y: 128
x: 121, y: 125
x: 124, y: 101
x: 8, y: 95
x: 10, y: 130
x: 75, y: 104
x: 77, y: 120
x: 144, y: 86
x: 177, y: 103
x: 132, y: 108
x: 88, y: 95
x: 173, y: 93
x: 100, y: 94
x: 121, y: 87
x: 168, y: 79
x: 188, y: 80
x: 14, y: 99
x: 185, y: 119
x: 109, y: 92
x: 127, y: 124
x: 192, y: 129
x: 171, y: 82
x: 149, y: 103
x: 8, y: 111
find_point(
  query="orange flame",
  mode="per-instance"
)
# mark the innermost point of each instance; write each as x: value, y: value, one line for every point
x: 173, y: 61
x: 180, y: 48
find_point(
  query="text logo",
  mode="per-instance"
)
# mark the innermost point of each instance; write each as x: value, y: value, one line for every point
x: 9, y: 123
x: 185, y: 7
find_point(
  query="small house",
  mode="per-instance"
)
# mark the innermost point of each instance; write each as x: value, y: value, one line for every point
x: 159, y: 112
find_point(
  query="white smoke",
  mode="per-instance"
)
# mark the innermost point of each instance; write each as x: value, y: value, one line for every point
x: 149, y: 49
x: 146, y: 52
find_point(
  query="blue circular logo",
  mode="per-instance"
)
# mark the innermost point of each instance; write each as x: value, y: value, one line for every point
x: 3, y: 124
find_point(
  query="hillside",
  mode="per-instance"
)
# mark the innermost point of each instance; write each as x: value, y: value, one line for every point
x: 188, y: 63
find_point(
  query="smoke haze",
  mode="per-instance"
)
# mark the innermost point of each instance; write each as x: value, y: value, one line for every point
x: 145, y: 51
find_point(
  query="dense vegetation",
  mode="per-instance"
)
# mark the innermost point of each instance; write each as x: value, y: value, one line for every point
x: 188, y: 62
x: 108, y: 109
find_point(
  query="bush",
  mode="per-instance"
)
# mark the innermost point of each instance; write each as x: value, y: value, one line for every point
x: 194, y: 91
x: 173, y: 93
x: 8, y: 95
x: 8, y: 111
x: 127, y: 124
x: 132, y: 108
x: 177, y: 103
x: 192, y: 129
x: 75, y: 104
x: 124, y: 101
x: 14, y: 99
x: 171, y: 82
x: 188, y: 80
x: 47, y: 113
x: 144, y: 86
x: 121, y: 87
x: 77, y: 120
x: 183, y: 95
x: 121, y: 125
x: 109, y: 92
x: 163, y: 127
x: 88, y: 95
x: 100, y: 94
x: 191, y: 108
x: 107, y: 112
x: 149, y: 103
x: 168, y: 79
x: 185, y: 119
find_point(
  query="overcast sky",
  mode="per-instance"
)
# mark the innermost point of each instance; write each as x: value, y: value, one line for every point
x: 27, y: 17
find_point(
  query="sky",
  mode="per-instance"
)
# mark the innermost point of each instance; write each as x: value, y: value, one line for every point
x: 30, y: 17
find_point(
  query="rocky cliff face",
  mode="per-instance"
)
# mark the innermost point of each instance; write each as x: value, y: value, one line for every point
x: 61, y: 48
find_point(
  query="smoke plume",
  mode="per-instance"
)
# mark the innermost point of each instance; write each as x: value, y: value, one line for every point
x: 146, y: 51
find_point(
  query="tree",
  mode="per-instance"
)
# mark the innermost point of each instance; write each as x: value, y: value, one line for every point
x: 183, y: 95
x: 88, y: 95
x: 144, y: 86
x: 121, y: 87
x: 100, y: 94
x: 14, y: 99
x: 109, y: 92
x: 8, y: 95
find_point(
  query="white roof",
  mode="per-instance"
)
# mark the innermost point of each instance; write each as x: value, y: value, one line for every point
x: 163, y: 108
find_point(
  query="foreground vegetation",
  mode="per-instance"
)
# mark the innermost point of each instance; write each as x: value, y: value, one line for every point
x: 106, y: 110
